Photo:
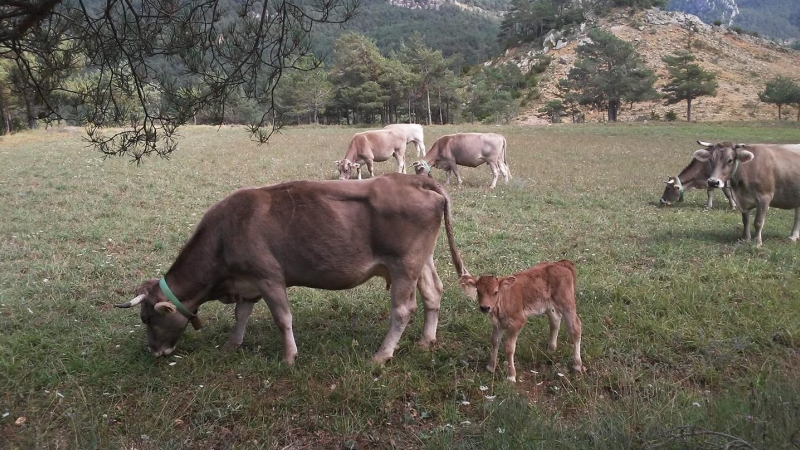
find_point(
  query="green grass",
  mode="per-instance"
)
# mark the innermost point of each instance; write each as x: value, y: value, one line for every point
x: 691, y: 339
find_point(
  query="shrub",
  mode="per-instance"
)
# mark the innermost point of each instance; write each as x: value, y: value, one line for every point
x: 717, y: 23
x: 671, y: 116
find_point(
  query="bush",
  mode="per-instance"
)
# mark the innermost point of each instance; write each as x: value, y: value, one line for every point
x: 654, y: 116
x: 717, y: 23
x: 671, y: 116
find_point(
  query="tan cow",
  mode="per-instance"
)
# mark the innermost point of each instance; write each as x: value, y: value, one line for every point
x: 466, y: 149
x: 412, y: 132
x: 257, y: 242
x: 760, y: 176
x: 369, y: 146
x: 547, y: 288
x: 693, y: 176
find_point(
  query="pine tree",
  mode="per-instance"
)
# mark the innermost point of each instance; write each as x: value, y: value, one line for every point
x: 780, y: 91
x: 687, y: 81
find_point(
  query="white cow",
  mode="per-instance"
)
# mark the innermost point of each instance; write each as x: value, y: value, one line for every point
x: 413, y: 133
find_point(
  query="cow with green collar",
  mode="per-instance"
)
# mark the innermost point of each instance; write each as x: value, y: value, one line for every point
x: 693, y: 176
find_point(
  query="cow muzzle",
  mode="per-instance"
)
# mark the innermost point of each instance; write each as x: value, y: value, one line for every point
x: 663, y: 202
x: 485, y: 309
x: 161, y: 352
x: 715, y: 183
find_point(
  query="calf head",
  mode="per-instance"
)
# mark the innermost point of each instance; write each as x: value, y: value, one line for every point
x: 486, y: 289
x: 673, y: 191
x: 164, y: 324
x: 724, y: 158
x: 347, y: 169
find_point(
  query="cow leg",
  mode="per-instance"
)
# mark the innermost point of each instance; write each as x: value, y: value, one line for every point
x: 497, y: 333
x: 729, y: 195
x: 276, y: 299
x: 511, y: 346
x: 243, y: 311
x: 455, y: 171
x: 494, y: 175
x: 555, y: 325
x: 430, y: 289
x: 504, y: 170
x: 796, y: 228
x: 403, y: 305
x: 574, y: 328
x: 761, y: 215
x: 369, y: 167
x: 746, y: 225
x: 710, y: 202
x: 401, y: 163
x: 447, y: 172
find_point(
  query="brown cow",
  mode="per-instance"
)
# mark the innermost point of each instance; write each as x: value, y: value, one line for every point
x: 466, y: 149
x: 693, y: 176
x: 412, y: 132
x: 760, y: 176
x: 547, y: 288
x: 369, y: 146
x: 258, y: 241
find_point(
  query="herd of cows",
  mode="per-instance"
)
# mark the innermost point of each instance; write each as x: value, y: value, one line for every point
x: 256, y: 242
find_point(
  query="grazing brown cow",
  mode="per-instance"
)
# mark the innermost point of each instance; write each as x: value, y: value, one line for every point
x: 760, y: 176
x: 257, y: 242
x: 369, y: 146
x: 693, y: 176
x: 547, y: 288
x: 412, y: 132
x: 466, y: 149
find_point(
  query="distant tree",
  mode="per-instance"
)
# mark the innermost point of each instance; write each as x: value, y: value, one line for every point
x: 554, y: 110
x: 195, y: 55
x: 356, y: 74
x: 528, y: 20
x: 687, y: 81
x: 492, y: 94
x: 304, y: 93
x: 608, y: 72
x: 427, y: 64
x: 780, y: 91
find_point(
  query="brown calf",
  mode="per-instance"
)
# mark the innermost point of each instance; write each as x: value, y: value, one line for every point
x: 547, y: 288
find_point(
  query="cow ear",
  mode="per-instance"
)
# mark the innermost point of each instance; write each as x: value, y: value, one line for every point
x: 702, y: 155
x: 337, y: 163
x: 165, y: 308
x: 356, y: 165
x: 744, y: 156
x: 508, y: 282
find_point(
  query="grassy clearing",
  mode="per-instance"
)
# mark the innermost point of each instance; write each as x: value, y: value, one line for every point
x: 690, y: 338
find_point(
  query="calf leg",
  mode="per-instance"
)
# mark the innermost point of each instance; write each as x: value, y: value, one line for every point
x: 243, y: 311
x: 796, y: 228
x: 275, y: 297
x: 555, y: 325
x: 497, y: 334
x: 403, y: 305
x: 574, y: 328
x: 511, y: 346
x: 430, y: 289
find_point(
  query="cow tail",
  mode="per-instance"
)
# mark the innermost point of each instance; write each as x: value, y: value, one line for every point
x: 448, y: 228
x: 505, y: 163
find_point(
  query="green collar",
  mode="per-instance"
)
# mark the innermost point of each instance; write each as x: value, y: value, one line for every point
x: 426, y: 165
x: 196, y: 322
x: 680, y: 187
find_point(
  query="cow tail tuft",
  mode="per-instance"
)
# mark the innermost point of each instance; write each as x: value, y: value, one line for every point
x: 448, y: 228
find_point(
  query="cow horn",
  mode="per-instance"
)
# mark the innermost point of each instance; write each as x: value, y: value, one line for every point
x: 165, y: 308
x: 705, y: 144
x: 738, y: 146
x: 138, y: 299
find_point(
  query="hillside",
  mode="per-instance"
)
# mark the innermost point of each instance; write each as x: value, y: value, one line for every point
x: 743, y: 65
x: 778, y: 19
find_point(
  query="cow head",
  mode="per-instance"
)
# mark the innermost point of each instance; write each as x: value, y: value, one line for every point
x: 486, y: 289
x: 673, y: 191
x: 164, y: 324
x: 348, y: 169
x: 724, y: 158
x: 422, y: 168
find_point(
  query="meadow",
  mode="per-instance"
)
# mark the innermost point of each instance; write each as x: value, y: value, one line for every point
x: 691, y: 339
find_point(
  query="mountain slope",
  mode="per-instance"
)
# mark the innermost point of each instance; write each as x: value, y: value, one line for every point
x: 778, y: 19
x: 743, y: 65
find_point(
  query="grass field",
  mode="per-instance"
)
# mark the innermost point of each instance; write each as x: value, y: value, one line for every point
x: 691, y: 339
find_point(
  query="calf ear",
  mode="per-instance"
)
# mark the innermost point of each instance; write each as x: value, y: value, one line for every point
x: 702, y: 155
x: 508, y: 282
x: 165, y: 308
x: 469, y: 286
x: 744, y: 156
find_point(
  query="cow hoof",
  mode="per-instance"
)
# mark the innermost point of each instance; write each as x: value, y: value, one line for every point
x: 426, y: 344
x: 512, y: 379
x: 289, y: 359
x: 380, y: 358
x: 230, y: 347
x: 794, y: 238
x: 490, y: 368
x: 579, y: 368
